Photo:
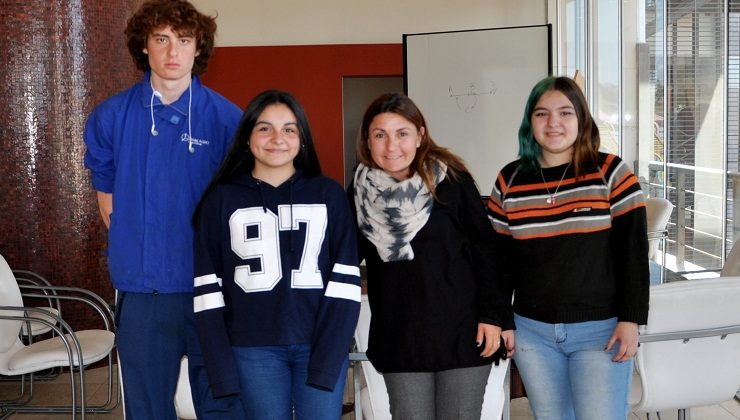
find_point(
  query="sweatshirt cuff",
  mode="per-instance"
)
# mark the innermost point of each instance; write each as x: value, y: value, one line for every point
x: 321, y: 380
x: 224, y: 389
x: 490, y: 321
x: 638, y: 316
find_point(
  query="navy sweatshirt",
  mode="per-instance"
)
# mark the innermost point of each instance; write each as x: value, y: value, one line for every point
x: 276, y: 266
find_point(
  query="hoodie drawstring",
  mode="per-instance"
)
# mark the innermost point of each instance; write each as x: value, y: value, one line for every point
x: 262, y: 195
x: 290, y: 200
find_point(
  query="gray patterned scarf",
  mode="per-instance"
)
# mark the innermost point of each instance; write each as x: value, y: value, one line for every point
x: 390, y: 213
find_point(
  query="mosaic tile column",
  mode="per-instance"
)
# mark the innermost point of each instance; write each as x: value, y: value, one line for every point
x: 58, y: 59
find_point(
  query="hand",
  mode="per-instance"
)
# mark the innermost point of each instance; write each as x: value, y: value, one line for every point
x: 105, y: 205
x: 509, y: 340
x: 626, y: 334
x: 490, y: 335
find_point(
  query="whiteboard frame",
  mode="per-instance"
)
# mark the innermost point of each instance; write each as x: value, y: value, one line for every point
x: 450, y: 76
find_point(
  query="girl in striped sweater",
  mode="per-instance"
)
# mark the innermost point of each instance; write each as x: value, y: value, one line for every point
x: 573, y: 222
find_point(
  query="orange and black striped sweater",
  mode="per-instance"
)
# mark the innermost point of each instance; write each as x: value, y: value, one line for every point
x: 578, y: 254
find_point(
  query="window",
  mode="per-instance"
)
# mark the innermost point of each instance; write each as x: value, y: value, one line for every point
x: 663, y: 82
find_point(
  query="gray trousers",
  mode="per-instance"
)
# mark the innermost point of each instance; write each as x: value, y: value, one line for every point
x: 455, y: 394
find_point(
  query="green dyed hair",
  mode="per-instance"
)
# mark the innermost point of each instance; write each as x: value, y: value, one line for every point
x: 586, y: 146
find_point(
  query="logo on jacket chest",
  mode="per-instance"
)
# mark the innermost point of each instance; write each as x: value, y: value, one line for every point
x: 195, y: 142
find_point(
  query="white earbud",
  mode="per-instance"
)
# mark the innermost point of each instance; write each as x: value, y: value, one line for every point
x: 151, y: 109
x: 154, y: 131
x: 191, y: 149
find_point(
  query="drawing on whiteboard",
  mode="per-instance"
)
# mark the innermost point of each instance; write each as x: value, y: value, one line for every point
x: 467, y: 101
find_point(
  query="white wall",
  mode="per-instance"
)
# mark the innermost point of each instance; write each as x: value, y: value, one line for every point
x: 305, y: 22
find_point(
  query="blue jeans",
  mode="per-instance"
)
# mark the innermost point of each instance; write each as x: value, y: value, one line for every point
x: 273, y: 384
x: 566, y: 372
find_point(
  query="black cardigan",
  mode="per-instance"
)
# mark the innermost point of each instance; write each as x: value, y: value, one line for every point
x: 425, y: 312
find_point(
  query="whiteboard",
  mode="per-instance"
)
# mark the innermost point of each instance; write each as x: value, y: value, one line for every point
x: 472, y: 86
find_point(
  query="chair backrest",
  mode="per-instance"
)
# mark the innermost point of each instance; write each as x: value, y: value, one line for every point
x: 183, y: 397
x: 494, y: 399
x: 679, y: 373
x: 732, y: 262
x: 10, y: 295
x: 377, y: 395
x: 658, y: 214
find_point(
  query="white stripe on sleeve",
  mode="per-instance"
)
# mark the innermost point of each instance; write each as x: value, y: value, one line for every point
x: 350, y: 270
x: 343, y: 291
x: 208, y: 301
x: 207, y: 279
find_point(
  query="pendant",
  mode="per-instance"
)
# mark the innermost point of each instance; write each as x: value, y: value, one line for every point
x: 551, y: 200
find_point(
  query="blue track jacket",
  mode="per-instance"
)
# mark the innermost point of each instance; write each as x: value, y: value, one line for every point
x: 155, y: 180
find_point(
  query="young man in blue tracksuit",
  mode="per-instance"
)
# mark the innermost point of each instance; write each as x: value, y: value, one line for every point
x: 151, y: 151
x: 277, y: 286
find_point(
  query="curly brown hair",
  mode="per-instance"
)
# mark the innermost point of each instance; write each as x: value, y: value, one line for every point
x: 182, y: 17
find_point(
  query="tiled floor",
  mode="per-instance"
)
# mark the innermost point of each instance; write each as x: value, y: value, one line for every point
x: 57, y: 392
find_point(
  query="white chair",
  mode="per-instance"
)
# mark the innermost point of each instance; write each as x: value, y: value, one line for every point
x: 495, y: 400
x: 71, y: 349
x: 30, y: 331
x: 183, y: 396
x: 34, y: 329
x: 658, y: 214
x: 371, y: 400
x: 689, y: 352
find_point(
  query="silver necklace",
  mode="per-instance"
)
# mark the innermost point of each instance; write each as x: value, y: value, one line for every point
x: 551, y: 196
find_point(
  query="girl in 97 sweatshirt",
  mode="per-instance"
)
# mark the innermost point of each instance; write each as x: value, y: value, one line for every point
x: 277, y: 286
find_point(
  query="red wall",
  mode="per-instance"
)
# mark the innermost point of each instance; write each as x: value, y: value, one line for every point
x: 313, y: 73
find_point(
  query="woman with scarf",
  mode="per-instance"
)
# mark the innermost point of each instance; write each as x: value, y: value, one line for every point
x: 437, y: 312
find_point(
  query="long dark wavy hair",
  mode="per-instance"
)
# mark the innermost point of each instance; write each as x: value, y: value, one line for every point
x: 588, y: 141
x: 183, y: 18
x: 240, y: 158
x: 428, y: 151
